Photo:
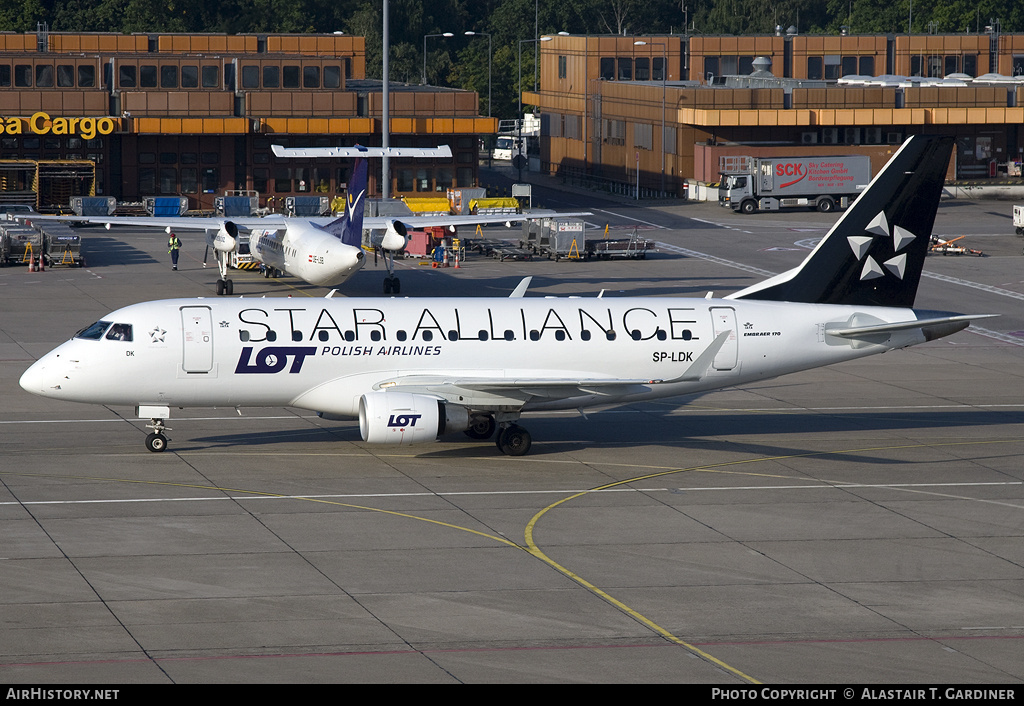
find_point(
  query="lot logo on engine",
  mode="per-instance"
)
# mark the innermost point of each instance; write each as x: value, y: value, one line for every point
x: 273, y: 359
x: 403, y: 420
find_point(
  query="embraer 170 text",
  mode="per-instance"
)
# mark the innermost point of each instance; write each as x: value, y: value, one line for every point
x: 412, y: 370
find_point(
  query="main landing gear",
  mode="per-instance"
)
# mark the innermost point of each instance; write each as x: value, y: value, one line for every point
x: 512, y: 439
x: 157, y: 441
x: 392, y: 285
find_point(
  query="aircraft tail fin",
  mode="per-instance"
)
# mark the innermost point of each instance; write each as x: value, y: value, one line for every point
x: 875, y: 252
x: 349, y: 227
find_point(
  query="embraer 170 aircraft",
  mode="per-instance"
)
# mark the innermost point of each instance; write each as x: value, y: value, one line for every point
x: 412, y: 370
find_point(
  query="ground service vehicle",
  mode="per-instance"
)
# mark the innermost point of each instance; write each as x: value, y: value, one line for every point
x: 751, y: 184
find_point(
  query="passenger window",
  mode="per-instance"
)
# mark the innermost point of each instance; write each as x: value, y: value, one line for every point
x: 93, y: 332
x: 120, y: 332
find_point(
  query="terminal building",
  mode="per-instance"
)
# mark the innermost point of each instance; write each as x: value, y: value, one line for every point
x: 653, y: 115
x: 144, y: 115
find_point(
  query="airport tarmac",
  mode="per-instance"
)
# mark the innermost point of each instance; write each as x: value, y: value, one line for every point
x: 855, y: 524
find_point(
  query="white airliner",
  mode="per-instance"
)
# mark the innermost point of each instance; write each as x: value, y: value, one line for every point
x: 321, y: 251
x: 412, y: 370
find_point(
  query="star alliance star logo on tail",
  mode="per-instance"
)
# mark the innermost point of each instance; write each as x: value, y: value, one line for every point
x: 861, y: 244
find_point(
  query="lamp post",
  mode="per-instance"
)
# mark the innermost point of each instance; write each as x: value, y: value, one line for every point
x: 664, y: 78
x: 485, y: 34
x: 443, y: 34
x: 519, y: 90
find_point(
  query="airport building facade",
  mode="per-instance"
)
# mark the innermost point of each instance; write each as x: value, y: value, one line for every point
x: 143, y: 115
x: 654, y: 114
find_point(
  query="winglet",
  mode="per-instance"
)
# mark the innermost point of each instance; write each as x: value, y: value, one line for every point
x: 521, y: 288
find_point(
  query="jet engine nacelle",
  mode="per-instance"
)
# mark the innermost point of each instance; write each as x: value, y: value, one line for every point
x: 224, y: 238
x: 389, y: 417
x: 395, y: 237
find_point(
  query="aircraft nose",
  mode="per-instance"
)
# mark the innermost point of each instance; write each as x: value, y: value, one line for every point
x: 32, y: 380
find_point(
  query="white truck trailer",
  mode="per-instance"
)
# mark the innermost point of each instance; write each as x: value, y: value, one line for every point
x: 752, y: 184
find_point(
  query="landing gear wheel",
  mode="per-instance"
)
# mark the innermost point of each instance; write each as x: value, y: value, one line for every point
x: 513, y: 440
x: 156, y: 442
x: 392, y: 285
x: 482, y: 429
x: 229, y: 287
x: 220, y: 287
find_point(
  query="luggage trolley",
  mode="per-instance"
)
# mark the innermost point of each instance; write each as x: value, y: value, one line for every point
x: 63, y: 246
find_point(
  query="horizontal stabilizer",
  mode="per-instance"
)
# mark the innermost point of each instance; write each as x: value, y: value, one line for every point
x: 441, y: 151
x: 955, y: 323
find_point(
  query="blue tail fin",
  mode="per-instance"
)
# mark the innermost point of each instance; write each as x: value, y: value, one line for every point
x: 349, y: 227
x: 875, y: 253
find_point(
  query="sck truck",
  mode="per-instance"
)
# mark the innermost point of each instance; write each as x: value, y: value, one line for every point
x: 752, y: 184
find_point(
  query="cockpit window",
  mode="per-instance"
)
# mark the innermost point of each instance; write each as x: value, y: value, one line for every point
x: 94, y: 332
x: 120, y: 332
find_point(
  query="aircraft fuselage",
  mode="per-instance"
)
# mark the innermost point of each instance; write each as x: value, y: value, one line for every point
x: 324, y: 355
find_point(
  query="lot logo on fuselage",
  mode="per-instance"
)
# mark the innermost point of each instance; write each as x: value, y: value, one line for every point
x: 273, y: 359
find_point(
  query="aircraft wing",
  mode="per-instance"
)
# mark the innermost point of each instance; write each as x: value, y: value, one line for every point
x: 497, y: 392
x: 172, y: 222
x: 278, y: 220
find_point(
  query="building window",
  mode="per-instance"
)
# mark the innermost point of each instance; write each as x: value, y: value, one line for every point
x: 168, y: 180
x: 465, y: 176
x: 422, y: 180
x: 23, y: 76
x: 44, y: 76
x: 711, y: 67
x: 250, y: 76
x: 572, y: 127
x: 271, y: 76
x: 608, y: 68
x: 211, y: 179
x: 332, y: 77
x: 658, y: 74
x: 147, y: 76
x: 311, y: 77
x: 211, y: 77
x: 168, y: 77
x: 5, y: 75
x: 126, y: 76
x: 86, y: 76
x: 866, y: 66
x: 259, y: 179
x: 190, y: 76
x: 815, y: 68
x: 643, y: 69
x: 403, y: 180
x: 625, y: 65
x: 190, y: 180
x: 643, y: 136
x: 65, y: 75
x: 833, y: 65
x: 290, y: 74
x: 562, y: 68
x: 147, y: 181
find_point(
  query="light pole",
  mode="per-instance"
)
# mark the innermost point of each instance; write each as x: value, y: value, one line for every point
x: 485, y: 34
x: 443, y: 34
x: 664, y: 78
x: 519, y: 90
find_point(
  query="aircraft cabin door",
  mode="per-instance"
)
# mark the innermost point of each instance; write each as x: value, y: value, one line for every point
x: 724, y: 319
x: 196, y: 339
